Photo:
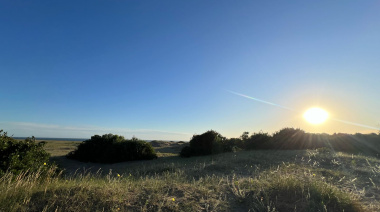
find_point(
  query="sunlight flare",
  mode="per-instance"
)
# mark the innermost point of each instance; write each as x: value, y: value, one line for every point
x: 316, y: 115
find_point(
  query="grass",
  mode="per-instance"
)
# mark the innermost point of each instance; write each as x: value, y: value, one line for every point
x: 60, y: 148
x: 264, y: 180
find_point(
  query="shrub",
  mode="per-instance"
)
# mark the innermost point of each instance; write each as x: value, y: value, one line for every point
x: 287, y: 132
x: 17, y: 156
x: 257, y: 141
x: 288, y: 138
x: 210, y: 142
x: 111, y: 148
x: 186, y: 152
x: 231, y: 144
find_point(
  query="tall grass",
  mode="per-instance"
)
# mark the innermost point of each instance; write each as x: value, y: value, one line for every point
x: 243, y: 181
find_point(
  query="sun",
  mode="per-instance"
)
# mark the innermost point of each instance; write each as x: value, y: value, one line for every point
x: 316, y: 115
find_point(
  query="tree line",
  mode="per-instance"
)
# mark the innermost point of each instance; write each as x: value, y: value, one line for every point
x: 212, y: 142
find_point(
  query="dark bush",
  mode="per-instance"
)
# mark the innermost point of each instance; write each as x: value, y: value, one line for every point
x: 186, y: 152
x: 257, y: 141
x: 212, y: 142
x: 291, y: 138
x: 232, y: 144
x: 111, y: 148
x: 207, y: 143
x: 288, y: 138
x: 17, y: 156
x: 287, y: 133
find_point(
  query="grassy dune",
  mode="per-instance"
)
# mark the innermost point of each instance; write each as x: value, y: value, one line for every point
x: 249, y: 180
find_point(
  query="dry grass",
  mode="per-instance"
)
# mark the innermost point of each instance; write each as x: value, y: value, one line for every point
x: 60, y: 148
x: 242, y: 181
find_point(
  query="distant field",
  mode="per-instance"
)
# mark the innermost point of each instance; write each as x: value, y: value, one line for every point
x: 264, y: 180
x: 59, y: 149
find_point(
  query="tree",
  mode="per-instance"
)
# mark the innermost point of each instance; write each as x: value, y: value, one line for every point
x: 210, y: 142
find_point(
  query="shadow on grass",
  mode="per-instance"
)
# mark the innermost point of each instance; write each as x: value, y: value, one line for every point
x: 72, y: 167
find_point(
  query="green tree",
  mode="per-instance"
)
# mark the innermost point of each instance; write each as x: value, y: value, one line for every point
x: 210, y: 142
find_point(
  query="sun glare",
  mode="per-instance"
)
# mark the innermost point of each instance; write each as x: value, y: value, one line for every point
x: 316, y: 115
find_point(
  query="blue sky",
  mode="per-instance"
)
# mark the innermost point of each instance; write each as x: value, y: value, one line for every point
x: 161, y: 69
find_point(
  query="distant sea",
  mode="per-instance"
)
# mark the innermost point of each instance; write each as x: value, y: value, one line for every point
x: 65, y: 139
x: 54, y: 139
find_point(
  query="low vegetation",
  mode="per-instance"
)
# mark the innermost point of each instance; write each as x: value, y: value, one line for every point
x: 21, y: 156
x: 212, y: 142
x: 258, y: 180
x: 111, y: 148
x: 264, y: 180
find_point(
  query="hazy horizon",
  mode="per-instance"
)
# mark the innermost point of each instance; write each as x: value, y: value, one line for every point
x: 87, y: 133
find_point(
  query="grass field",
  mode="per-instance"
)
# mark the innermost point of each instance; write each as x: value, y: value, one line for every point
x: 265, y: 180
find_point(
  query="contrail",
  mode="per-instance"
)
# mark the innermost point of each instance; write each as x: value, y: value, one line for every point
x: 262, y: 101
x: 355, y: 124
x: 287, y: 108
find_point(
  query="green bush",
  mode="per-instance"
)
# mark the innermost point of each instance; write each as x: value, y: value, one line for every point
x: 257, y: 141
x: 111, y: 148
x: 18, y: 156
x: 210, y: 142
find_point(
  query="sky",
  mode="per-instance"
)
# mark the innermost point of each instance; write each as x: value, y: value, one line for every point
x: 170, y: 69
